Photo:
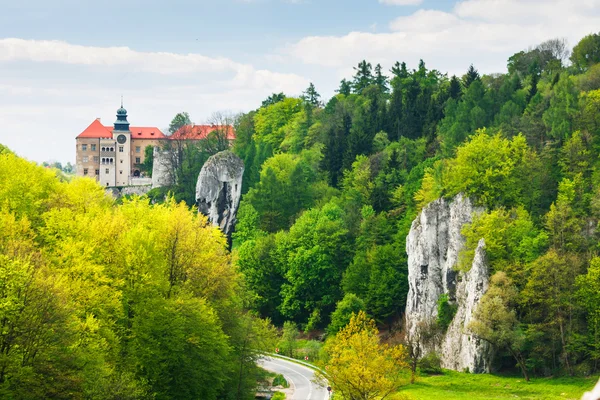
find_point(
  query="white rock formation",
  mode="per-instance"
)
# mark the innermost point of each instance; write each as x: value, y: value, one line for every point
x: 162, y: 168
x: 433, y: 246
x: 219, y: 189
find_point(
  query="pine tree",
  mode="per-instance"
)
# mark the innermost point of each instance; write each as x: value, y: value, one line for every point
x: 399, y: 70
x: 381, y: 80
x: 471, y: 76
x: 363, y: 77
x: 311, y: 96
x: 345, y: 87
x: 455, y: 88
x: 395, y: 113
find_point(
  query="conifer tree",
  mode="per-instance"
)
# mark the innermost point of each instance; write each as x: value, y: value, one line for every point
x: 363, y: 77
x: 471, y: 76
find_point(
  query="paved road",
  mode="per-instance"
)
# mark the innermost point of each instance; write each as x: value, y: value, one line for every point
x: 299, y: 377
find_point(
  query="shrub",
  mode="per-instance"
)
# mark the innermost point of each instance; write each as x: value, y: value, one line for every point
x: 278, y: 396
x: 430, y: 364
x: 446, y: 311
x: 279, y: 380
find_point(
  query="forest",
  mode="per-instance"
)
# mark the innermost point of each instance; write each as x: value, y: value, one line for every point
x: 117, y: 301
x: 331, y: 190
x: 141, y: 297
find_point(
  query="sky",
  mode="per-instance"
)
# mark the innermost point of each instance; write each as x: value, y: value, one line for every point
x: 64, y: 63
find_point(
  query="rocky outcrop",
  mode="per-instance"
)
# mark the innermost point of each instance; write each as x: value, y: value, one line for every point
x: 163, y: 168
x: 433, y: 246
x: 219, y: 189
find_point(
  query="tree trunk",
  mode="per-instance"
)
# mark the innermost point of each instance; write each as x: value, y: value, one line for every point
x: 519, y: 358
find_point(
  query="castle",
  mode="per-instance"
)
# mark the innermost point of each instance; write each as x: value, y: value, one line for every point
x: 114, y: 155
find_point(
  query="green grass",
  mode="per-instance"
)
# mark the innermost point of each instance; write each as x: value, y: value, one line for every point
x: 458, y: 386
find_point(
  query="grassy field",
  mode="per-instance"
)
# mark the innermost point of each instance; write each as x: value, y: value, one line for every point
x: 459, y: 386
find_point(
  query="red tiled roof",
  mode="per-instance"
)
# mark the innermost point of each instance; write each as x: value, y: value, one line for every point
x: 138, y: 132
x: 199, y: 132
x: 95, y: 130
x: 98, y: 131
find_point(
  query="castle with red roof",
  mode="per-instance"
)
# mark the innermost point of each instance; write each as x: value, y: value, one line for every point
x: 113, y: 155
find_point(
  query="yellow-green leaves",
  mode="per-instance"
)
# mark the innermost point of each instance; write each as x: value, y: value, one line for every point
x: 359, y: 366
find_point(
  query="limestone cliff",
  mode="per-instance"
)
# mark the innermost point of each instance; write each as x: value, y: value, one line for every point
x: 433, y: 246
x: 219, y: 189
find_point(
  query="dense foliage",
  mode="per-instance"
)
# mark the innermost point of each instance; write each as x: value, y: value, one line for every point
x: 106, y: 301
x: 331, y: 189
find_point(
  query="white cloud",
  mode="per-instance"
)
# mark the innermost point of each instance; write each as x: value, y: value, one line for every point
x: 483, y: 32
x: 401, y: 2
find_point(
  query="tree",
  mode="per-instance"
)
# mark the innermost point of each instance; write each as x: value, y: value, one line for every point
x: 314, y: 253
x: 455, y: 90
x: 359, y: 367
x: 179, y: 120
x: 288, y: 338
x: 273, y: 99
x: 344, y: 310
x: 380, y: 80
x: 471, y: 76
x: 488, y: 168
x: 181, y: 349
x: 550, y: 300
x: 563, y: 109
x: 311, y: 96
x: 363, y: 77
x: 148, y: 164
x: 495, y: 319
x: 587, y: 52
x: 588, y: 295
x: 345, y: 87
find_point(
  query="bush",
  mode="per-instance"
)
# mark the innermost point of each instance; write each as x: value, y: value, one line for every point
x: 446, y: 311
x: 278, y: 396
x: 279, y: 380
x: 430, y: 364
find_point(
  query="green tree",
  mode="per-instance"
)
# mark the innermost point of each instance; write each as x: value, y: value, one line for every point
x: 490, y: 168
x: 289, y: 337
x: 315, y: 253
x: 311, y: 96
x: 181, y: 349
x: 179, y: 120
x: 344, y: 310
x: 273, y: 99
x: 587, y: 52
x: 363, y: 77
x: 495, y: 319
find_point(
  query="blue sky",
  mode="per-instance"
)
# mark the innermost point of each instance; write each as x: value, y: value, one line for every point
x: 65, y: 62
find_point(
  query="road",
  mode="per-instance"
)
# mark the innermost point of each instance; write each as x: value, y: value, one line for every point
x: 299, y: 377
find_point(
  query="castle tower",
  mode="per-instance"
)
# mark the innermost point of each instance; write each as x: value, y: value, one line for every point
x: 122, y: 134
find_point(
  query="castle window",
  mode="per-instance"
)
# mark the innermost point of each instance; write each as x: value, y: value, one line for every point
x: 137, y: 160
x: 84, y: 147
x: 93, y: 147
x: 137, y: 149
x: 85, y: 159
x: 121, y: 172
x: 112, y: 149
x: 85, y: 171
x: 103, y: 149
x: 96, y: 159
x: 106, y: 172
x: 120, y: 149
x: 97, y: 172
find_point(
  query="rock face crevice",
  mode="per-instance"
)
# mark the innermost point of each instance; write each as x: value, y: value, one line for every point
x: 433, y: 245
x: 219, y: 189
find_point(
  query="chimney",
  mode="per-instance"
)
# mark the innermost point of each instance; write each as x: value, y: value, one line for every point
x: 98, y: 119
